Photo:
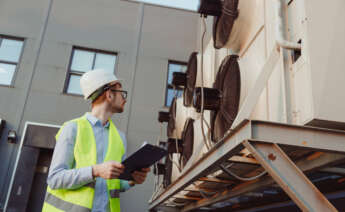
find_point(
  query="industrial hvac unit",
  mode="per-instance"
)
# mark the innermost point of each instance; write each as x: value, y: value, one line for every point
x: 238, y: 24
x: 178, y: 114
x: 318, y: 71
x: 193, y: 141
x: 193, y: 74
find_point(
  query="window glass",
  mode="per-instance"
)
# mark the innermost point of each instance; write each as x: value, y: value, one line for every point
x: 181, y: 4
x: 82, y: 60
x: 6, y: 73
x: 10, y: 50
x: 74, y: 85
x: 105, y: 61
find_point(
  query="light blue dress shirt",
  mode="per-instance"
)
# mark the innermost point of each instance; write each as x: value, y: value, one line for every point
x: 62, y: 172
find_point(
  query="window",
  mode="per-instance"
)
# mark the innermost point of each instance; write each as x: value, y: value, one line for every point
x: 173, y: 66
x: 10, y: 52
x: 180, y: 4
x: 84, y: 60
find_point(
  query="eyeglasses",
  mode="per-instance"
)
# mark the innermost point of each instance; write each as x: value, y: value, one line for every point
x: 123, y: 93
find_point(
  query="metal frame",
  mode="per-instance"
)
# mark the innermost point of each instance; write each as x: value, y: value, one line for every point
x: 71, y: 72
x: 290, y: 178
x: 263, y: 136
x: 12, y: 63
x: 18, y: 155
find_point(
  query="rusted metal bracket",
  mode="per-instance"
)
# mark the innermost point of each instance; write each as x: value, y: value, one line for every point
x: 290, y: 178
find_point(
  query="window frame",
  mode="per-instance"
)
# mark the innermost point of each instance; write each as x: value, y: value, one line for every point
x: 163, y: 6
x: 70, y: 72
x: 17, y: 64
x: 169, y: 86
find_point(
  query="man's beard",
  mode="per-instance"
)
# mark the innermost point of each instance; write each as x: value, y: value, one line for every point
x: 117, y: 109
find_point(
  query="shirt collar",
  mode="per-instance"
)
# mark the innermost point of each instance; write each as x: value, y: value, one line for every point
x: 94, y: 120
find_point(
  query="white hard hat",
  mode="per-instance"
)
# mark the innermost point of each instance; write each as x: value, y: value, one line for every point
x: 93, y: 80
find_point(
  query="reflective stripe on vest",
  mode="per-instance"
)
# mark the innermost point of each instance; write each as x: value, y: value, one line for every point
x: 85, y: 154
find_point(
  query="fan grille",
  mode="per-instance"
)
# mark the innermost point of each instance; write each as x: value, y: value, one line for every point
x: 228, y: 81
x: 222, y: 25
x: 172, y: 118
x: 191, y: 72
x: 188, y: 140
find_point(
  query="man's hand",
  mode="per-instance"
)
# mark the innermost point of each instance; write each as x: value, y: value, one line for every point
x: 139, y: 176
x: 108, y: 170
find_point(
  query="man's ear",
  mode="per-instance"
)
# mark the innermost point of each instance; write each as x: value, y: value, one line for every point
x: 108, y: 94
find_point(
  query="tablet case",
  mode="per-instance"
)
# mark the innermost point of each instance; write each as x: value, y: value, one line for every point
x: 145, y: 157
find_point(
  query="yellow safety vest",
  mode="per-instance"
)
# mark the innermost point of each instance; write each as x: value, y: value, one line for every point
x: 85, y: 154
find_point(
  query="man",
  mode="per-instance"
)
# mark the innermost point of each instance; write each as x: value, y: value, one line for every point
x: 86, y: 163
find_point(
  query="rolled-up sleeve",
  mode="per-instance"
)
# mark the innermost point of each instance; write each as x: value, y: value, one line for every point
x: 62, y: 174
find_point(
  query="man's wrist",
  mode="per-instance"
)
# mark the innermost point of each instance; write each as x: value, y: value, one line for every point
x: 94, y: 171
x: 131, y: 183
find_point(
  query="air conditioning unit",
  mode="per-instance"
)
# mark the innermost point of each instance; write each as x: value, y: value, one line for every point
x: 238, y: 25
x: 178, y: 114
x: 318, y: 75
x: 210, y: 7
x: 194, y: 146
x: 193, y: 73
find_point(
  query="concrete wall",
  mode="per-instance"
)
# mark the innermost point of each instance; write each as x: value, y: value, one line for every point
x: 145, y: 38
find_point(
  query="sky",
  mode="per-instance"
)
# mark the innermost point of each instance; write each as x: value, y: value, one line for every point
x: 184, y: 4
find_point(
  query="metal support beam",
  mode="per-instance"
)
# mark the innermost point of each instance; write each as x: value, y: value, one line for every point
x: 239, y: 159
x: 218, y: 154
x: 215, y: 180
x: 179, y: 196
x: 267, y: 132
x: 305, y: 165
x: 290, y: 178
x: 299, y: 136
x: 334, y: 170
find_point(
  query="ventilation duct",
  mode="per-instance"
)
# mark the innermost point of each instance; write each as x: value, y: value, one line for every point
x: 163, y: 116
x: 188, y: 141
x: 193, y: 74
x: 238, y: 24
x: 179, y: 79
x: 212, y: 99
x: 173, y: 147
x: 193, y: 144
x: 172, y: 171
x: 228, y: 82
x: 167, y: 172
x: 159, y: 169
x: 210, y: 7
x: 223, y: 99
x: 178, y: 114
x: 172, y: 119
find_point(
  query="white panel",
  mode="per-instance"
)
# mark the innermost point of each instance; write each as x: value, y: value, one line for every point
x: 326, y: 32
x: 250, y: 67
x: 276, y: 94
x: 303, y: 96
x: 250, y: 20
